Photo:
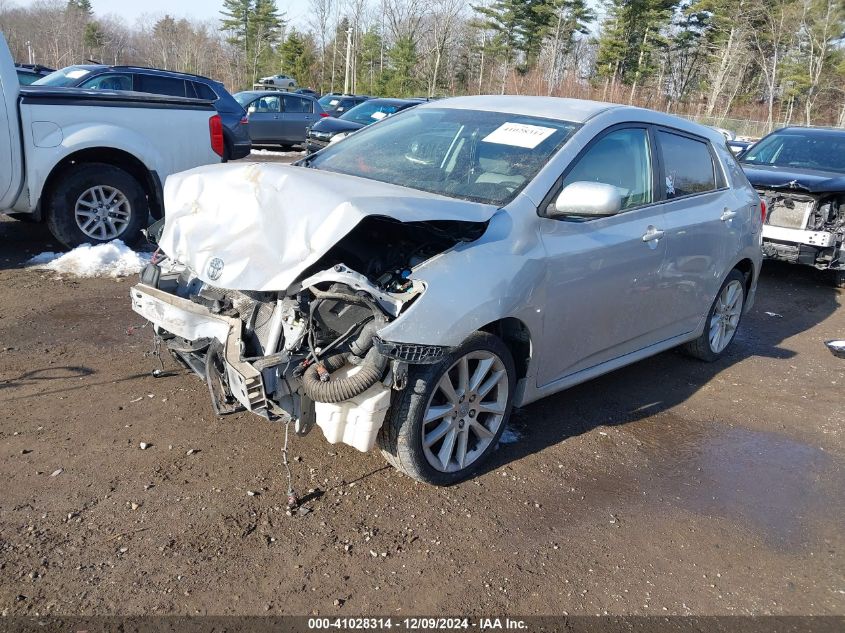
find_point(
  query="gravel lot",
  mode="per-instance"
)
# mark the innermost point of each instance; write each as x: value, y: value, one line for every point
x: 670, y: 486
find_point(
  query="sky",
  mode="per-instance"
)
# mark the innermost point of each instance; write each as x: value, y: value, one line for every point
x: 130, y: 10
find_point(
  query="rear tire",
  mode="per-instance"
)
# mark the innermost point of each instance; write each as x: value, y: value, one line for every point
x: 471, y: 422
x: 75, y: 197
x: 722, y: 321
x: 837, y: 278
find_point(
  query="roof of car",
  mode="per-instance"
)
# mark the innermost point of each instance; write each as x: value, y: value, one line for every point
x: 575, y: 110
x: 272, y: 93
x: 394, y: 100
x: 172, y: 73
x: 810, y: 130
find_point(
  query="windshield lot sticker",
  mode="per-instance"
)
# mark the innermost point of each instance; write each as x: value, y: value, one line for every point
x: 519, y: 135
x: 378, y: 115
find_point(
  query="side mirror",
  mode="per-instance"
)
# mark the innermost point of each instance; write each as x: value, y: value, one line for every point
x: 595, y: 199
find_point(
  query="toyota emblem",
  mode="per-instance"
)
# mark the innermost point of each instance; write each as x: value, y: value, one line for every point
x: 215, y: 268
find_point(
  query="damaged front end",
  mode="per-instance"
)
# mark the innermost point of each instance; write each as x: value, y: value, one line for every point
x: 311, y: 352
x: 804, y: 226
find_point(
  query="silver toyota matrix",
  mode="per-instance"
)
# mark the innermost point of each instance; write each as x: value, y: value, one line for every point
x: 409, y: 285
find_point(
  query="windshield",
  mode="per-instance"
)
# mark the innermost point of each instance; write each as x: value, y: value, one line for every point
x: 370, y: 112
x: 823, y: 151
x: 64, y: 77
x: 468, y: 154
x: 243, y: 98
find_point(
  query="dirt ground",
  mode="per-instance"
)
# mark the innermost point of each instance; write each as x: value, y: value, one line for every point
x: 668, y: 487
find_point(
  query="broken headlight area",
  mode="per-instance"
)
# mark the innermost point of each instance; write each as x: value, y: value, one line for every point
x: 310, y: 353
x: 804, y: 228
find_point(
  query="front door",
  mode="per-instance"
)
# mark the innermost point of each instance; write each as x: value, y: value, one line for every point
x: 604, y: 298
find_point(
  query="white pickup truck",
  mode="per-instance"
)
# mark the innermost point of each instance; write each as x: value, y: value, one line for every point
x: 92, y: 163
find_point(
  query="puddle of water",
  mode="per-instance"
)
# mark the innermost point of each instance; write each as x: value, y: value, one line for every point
x: 775, y: 484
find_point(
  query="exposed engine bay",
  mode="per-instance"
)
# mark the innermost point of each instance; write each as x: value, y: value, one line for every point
x: 310, y: 353
x: 804, y: 228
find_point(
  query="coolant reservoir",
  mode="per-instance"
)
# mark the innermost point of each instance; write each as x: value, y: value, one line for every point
x: 357, y: 421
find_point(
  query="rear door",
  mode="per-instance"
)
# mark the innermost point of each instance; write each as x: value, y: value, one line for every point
x: 704, y: 219
x: 11, y: 161
x: 297, y: 117
x: 265, y: 124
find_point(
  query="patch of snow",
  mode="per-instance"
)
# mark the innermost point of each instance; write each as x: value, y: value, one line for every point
x: 114, y: 259
x: 509, y: 436
x: 269, y: 152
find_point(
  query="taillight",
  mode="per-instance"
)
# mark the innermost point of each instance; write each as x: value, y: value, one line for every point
x: 244, y: 120
x: 763, y: 210
x: 324, y: 114
x: 215, y: 131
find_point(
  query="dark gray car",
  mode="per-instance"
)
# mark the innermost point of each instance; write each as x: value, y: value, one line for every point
x: 162, y: 82
x: 278, y: 117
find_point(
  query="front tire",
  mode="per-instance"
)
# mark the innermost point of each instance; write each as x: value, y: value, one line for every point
x: 722, y: 321
x: 95, y: 203
x: 444, y: 425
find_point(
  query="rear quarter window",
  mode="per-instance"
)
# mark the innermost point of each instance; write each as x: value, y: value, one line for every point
x: 687, y: 165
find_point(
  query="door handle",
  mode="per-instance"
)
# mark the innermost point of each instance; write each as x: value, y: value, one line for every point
x: 727, y: 215
x: 652, y: 234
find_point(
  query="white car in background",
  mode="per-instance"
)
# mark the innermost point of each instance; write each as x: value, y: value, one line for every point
x: 283, y: 81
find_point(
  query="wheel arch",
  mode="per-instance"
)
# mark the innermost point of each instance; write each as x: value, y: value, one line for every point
x: 149, y: 180
x: 517, y: 338
x: 746, y: 267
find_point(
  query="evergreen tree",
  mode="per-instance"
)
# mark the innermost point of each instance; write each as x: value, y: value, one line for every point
x: 632, y: 37
x: 255, y: 27
x: 519, y: 26
x: 297, y: 57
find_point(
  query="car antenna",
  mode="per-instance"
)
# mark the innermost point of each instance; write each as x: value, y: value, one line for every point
x: 93, y: 61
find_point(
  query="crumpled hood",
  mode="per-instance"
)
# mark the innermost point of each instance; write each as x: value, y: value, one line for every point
x: 806, y: 180
x: 258, y: 226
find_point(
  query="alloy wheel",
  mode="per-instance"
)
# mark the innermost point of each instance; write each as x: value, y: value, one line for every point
x: 726, y: 315
x: 102, y: 212
x: 465, y: 411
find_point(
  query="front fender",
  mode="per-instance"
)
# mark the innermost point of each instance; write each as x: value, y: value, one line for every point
x: 497, y: 276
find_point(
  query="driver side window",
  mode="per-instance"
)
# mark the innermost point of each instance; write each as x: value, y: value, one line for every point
x: 622, y: 159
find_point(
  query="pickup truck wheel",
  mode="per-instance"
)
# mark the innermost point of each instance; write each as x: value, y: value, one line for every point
x: 95, y: 203
x: 722, y: 320
x: 443, y: 426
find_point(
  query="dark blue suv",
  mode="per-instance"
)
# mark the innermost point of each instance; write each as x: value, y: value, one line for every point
x: 162, y: 82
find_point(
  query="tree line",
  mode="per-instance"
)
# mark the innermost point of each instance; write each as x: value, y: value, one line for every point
x: 779, y: 61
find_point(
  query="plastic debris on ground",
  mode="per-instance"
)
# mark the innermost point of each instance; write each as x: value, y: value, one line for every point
x: 114, y: 259
x: 270, y: 152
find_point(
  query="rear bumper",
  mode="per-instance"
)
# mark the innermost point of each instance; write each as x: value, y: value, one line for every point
x: 240, y: 150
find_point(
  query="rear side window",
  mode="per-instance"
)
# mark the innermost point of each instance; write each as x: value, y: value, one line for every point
x: 204, y: 92
x: 297, y: 104
x: 687, y: 164
x: 156, y: 85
